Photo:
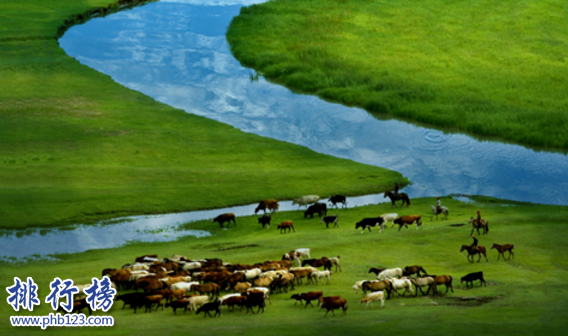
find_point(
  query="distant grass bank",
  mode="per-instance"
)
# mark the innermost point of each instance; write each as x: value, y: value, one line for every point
x: 489, y: 68
x: 526, y: 295
x: 76, y: 147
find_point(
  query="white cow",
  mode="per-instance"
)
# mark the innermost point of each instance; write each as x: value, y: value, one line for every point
x: 389, y: 217
x: 305, y: 200
x: 374, y: 296
x: 390, y: 273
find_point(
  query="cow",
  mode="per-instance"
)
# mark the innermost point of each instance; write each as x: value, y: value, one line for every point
x: 319, y: 208
x: 305, y: 200
x: 227, y: 217
x: 471, y: 277
x: 286, y: 225
x: 265, y: 220
x: 408, y: 220
x: 270, y: 204
x: 338, y: 199
x: 366, y: 223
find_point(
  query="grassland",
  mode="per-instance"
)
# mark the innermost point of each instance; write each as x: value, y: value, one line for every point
x: 525, y: 296
x: 77, y: 147
x: 483, y: 67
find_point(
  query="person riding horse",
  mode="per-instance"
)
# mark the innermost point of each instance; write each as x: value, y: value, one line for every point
x: 478, y: 218
x: 474, y: 245
x: 438, y: 207
x: 396, y: 188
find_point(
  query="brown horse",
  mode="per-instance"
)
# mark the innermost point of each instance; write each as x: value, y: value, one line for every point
x: 473, y: 251
x: 502, y: 249
x: 484, y: 225
x: 440, y: 280
x: 374, y: 286
x: 394, y: 197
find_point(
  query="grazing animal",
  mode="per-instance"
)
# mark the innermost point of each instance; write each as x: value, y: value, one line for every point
x: 317, y: 275
x: 235, y: 300
x: 265, y: 220
x: 242, y: 286
x: 195, y: 301
x: 178, y: 304
x: 421, y: 282
x: 150, y: 300
x: 270, y: 204
x: 394, y: 197
x: 337, y: 199
x: 78, y: 306
x: 255, y: 298
x: 390, y: 273
x: 471, y: 251
x: 134, y: 300
x: 376, y: 285
x: 367, y: 223
x: 208, y: 307
x: 330, y: 219
x: 211, y: 288
x: 303, y: 252
x: 222, y: 219
x: 374, y: 296
x: 443, y: 210
x: 333, y: 304
x: 400, y: 284
x: 335, y: 261
x: 441, y: 280
x: 305, y: 200
x: 299, y: 274
x: 502, y: 248
x: 324, y: 261
x: 308, y: 297
x: 476, y: 225
x: 471, y: 277
x: 408, y: 220
x: 286, y: 225
x: 264, y: 290
x: 319, y: 208
x: 389, y: 217
x: 416, y: 269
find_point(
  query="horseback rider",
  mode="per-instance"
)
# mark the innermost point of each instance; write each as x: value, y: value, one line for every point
x: 478, y: 218
x: 396, y: 188
x: 438, y: 207
x: 474, y: 245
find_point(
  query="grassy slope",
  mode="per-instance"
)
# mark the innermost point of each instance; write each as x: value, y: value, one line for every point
x: 485, y: 67
x: 529, y: 291
x: 77, y: 147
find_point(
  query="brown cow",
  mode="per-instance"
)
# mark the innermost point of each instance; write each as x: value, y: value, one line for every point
x: 226, y: 217
x: 308, y: 297
x: 286, y: 225
x: 212, y: 289
x: 333, y: 303
x: 408, y: 220
x: 270, y: 204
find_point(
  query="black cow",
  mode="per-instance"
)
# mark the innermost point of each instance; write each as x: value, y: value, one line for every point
x: 208, y: 307
x: 471, y: 277
x: 338, y: 199
x: 366, y: 223
x: 264, y: 220
x: 318, y: 208
x: 134, y: 300
x: 329, y: 219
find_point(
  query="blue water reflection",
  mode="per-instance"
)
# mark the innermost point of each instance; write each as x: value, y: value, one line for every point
x: 177, y: 53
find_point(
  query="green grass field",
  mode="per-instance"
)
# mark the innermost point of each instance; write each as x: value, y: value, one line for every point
x: 487, y: 68
x: 77, y: 147
x: 525, y: 296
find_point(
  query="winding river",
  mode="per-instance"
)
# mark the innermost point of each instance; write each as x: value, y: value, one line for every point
x: 176, y: 52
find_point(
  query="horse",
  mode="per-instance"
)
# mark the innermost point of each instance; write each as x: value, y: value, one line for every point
x: 441, y: 280
x: 502, y: 249
x: 422, y: 282
x: 473, y: 251
x: 443, y: 211
x: 394, y: 197
x: 409, y: 270
x: 484, y: 225
x: 400, y: 284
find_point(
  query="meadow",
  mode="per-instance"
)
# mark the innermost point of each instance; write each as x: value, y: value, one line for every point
x: 76, y: 147
x: 487, y: 68
x: 526, y: 295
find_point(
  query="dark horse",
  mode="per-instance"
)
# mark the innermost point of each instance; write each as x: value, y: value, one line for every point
x: 401, y: 196
x: 473, y: 251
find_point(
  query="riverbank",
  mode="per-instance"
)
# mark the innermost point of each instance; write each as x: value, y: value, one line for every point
x: 78, y: 147
x: 525, y: 295
x: 473, y: 67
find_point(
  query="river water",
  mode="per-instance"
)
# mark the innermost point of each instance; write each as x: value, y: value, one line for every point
x: 176, y: 52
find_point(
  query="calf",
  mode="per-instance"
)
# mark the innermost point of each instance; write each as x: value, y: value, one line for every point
x: 286, y: 225
x: 329, y: 219
x: 338, y: 199
x: 264, y: 220
x: 208, y: 307
x: 366, y: 223
x: 308, y: 297
x: 408, y: 220
x: 227, y: 217
x: 178, y: 304
x: 319, y: 208
x: 471, y: 277
x: 374, y: 296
